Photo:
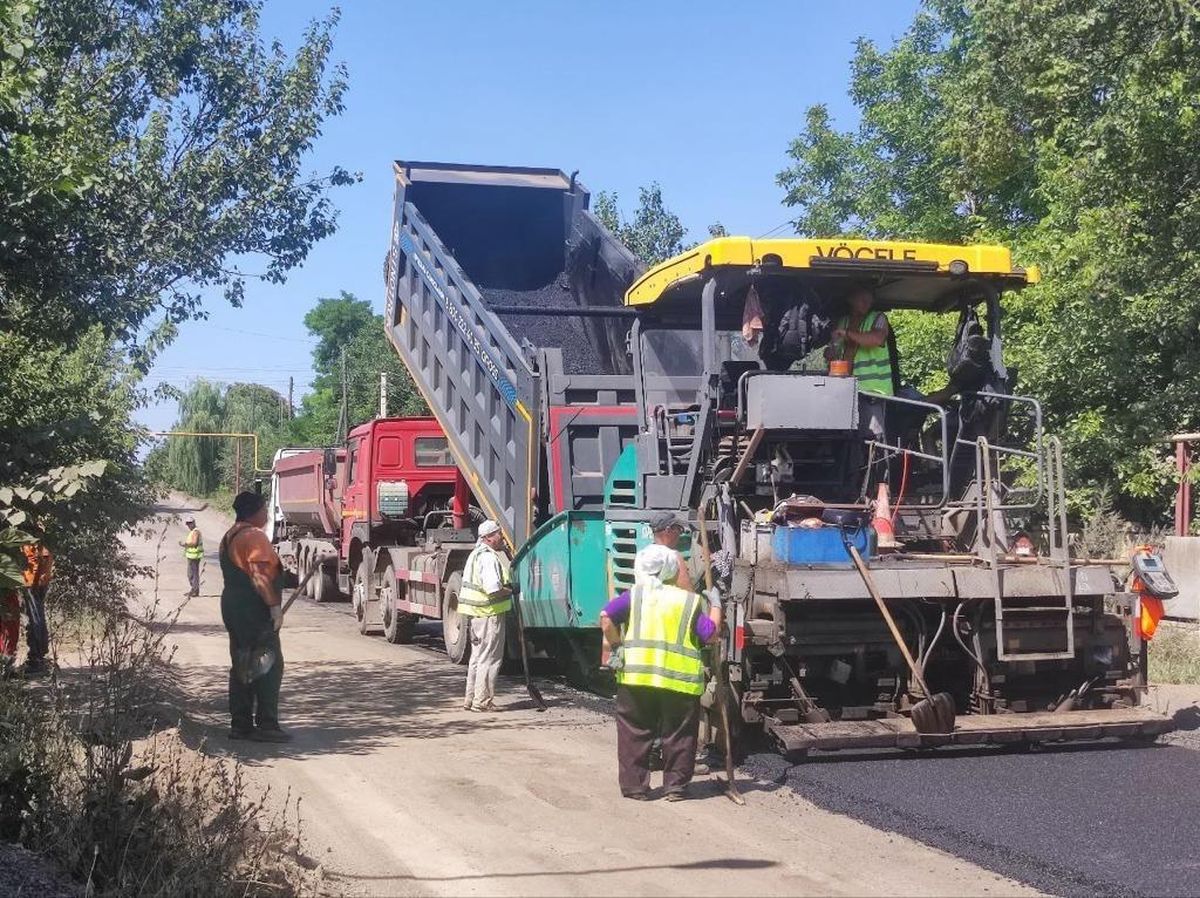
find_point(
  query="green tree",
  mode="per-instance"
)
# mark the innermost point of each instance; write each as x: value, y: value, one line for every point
x: 1070, y: 132
x: 151, y: 152
x: 335, y: 321
x: 193, y: 461
x: 154, y: 150
x: 653, y: 235
x: 346, y: 322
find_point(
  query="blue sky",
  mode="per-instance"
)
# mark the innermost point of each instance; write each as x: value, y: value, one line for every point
x: 703, y: 97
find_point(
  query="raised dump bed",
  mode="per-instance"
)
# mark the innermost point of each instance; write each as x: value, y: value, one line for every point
x: 505, y: 301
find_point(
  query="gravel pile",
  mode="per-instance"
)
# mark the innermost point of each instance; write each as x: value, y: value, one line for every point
x: 574, y: 336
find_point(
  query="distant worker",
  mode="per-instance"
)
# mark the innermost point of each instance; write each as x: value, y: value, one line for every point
x: 660, y: 629
x: 10, y: 628
x: 485, y: 598
x: 39, y: 569
x: 666, y: 528
x: 193, y: 551
x: 251, y: 609
x: 861, y: 337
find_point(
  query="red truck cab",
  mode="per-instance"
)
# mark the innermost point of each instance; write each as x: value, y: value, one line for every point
x: 397, y: 471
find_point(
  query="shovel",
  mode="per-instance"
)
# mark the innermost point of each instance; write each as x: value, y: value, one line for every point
x: 534, y: 692
x: 935, y: 713
x: 255, y: 662
x: 722, y: 672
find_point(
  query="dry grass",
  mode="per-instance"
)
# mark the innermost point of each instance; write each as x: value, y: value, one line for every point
x: 94, y: 775
x: 1175, y: 654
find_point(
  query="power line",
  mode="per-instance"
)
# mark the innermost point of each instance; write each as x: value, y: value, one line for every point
x: 234, y: 330
x: 777, y: 228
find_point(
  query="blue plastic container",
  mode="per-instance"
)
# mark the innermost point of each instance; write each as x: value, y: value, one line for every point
x: 801, y: 545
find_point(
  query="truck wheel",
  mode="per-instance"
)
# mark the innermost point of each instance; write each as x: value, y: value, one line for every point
x: 455, y: 626
x: 306, y: 561
x: 362, y: 595
x: 398, y: 626
x: 325, y: 588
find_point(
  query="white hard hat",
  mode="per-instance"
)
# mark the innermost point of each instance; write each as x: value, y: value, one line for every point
x: 657, y: 561
x: 487, y: 528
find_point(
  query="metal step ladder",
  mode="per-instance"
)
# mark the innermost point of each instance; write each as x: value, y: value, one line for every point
x: 1063, y: 605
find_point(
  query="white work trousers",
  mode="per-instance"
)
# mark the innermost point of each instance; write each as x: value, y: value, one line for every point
x: 487, y: 654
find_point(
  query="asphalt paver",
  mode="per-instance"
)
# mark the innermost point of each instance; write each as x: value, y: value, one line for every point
x: 1086, y: 820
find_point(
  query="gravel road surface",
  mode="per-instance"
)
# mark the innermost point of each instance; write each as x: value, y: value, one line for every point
x: 404, y: 793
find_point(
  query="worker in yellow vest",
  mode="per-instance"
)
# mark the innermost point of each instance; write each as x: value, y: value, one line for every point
x: 485, y: 599
x: 193, y: 551
x: 861, y: 337
x: 660, y: 630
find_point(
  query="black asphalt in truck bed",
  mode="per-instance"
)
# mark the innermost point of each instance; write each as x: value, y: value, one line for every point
x: 572, y: 335
x: 1076, y: 820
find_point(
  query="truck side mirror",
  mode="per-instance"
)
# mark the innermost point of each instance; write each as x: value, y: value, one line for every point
x: 330, y: 462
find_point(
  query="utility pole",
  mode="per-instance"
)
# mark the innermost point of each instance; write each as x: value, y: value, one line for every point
x: 290, y: 407
x: 343, y: 426
x: 383, y: 397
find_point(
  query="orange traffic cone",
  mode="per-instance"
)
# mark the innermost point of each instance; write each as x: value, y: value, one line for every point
x: 885, y: 535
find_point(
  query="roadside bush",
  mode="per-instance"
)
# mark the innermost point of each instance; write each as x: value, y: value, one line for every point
x: 1175, y: 655
x: 90, y: 777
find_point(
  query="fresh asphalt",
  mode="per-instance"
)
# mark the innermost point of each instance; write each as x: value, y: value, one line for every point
x: 1105, y: 819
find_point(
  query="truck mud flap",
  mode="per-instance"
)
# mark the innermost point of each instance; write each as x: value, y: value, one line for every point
x: 979, y: 729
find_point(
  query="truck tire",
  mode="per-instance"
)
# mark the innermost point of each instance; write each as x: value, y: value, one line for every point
x: 325, y: 586
x: 456, y: 630
x: 363, y: 596
x: 306, y: 561
x: 398, y: 626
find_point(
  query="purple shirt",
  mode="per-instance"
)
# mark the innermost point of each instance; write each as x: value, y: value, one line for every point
x: 618, y: 612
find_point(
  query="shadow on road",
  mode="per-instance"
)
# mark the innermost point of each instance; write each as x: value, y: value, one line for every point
x: 357, y: 707
x: 729, y: 863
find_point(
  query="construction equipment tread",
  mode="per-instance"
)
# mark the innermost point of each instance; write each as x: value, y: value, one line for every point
x: 974, y: 729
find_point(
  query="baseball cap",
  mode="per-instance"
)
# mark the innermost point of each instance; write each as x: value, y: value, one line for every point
x: 487, y: 528
x: 665, y: 520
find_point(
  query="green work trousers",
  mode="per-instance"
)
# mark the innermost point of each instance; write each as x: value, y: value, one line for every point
x: 255, y: 703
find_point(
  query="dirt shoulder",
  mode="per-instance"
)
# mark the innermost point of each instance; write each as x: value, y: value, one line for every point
x: 23, y: 873
x: 404, y: 793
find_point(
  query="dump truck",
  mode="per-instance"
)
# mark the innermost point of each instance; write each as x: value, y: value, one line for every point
x: 580, y: 393
x: 378, y: 518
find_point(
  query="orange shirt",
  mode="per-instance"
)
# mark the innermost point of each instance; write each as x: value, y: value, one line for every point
x: 250, y: 550
x: 39, y: 564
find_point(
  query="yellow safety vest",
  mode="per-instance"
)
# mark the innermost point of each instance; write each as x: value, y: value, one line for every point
x: 659, y: 642
x: 872, y: 365
x: 473, y: 600
x: 194, y: 550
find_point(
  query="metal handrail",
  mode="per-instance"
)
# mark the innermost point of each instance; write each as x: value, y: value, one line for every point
x: 943, y: 459
x: 1037, y: 453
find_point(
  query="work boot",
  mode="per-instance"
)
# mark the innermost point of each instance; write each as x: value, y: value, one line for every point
x: 35, y: 667
x: 239, y: 734
x: 272, y: 734
x: 679, y: 794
